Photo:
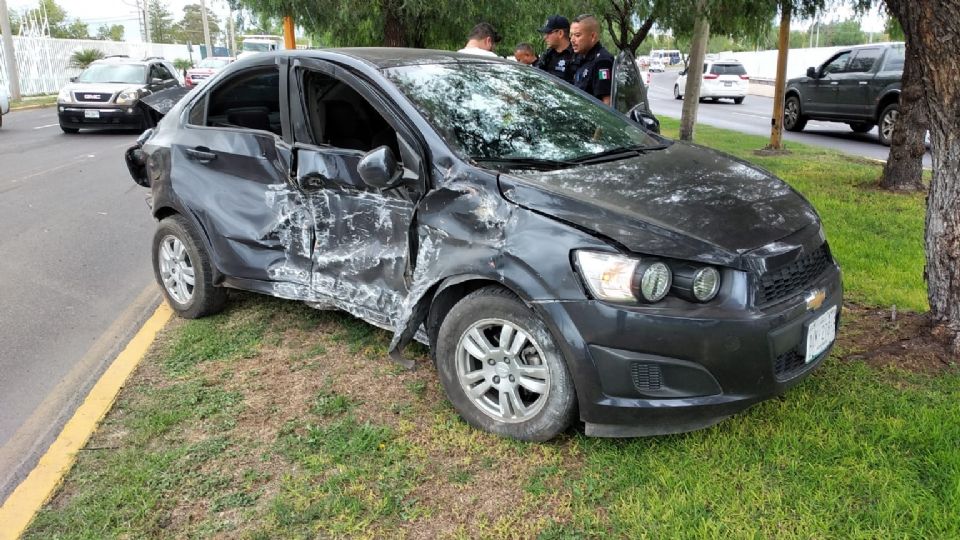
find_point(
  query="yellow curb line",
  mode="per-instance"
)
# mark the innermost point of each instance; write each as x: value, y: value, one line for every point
x: 25, y: 501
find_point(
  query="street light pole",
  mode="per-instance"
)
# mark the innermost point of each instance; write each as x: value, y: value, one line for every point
x: 206, y: 27
x: 9, y: 55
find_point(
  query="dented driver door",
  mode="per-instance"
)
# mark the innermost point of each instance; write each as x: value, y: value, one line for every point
x: 362, y: 248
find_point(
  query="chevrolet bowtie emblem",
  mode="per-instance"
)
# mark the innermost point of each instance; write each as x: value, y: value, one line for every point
x: 815, y: 299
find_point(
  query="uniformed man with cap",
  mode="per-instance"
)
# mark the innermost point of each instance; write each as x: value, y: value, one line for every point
x: 557, y: 60
x: 594, y: 64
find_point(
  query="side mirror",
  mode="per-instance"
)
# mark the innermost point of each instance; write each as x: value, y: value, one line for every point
x: 645, y: 119
x: 812, y: 72
x: 156, y: 80
x: 684, y: 72
x: 73, y: 79
x: 379, y: 169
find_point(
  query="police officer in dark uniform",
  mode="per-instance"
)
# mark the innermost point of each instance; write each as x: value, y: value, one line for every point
x: 557, y: 60
x: 594, y: 64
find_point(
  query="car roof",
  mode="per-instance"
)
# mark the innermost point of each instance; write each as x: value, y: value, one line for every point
x: 387, y: 57
x: 127, y: 60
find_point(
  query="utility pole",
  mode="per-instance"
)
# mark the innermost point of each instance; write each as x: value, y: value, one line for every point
x: 289, y: 39
x: 232, y: 33
x: 206, y: 27
x: 146, y: 16
x: 776, y: 123
x: 9, y: 55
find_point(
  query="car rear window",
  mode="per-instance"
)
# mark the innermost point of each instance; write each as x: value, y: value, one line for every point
x: 728, y: 69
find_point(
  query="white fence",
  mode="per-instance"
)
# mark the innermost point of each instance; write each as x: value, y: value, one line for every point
x: 763, y: 64
x: 44, y: 63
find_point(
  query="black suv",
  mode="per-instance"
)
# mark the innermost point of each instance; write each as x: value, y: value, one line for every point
x: 107, y: 93
x: 859, y: 86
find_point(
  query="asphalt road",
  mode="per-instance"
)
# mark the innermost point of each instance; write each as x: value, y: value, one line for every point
x: 753, y: 116
x: 75, y: 275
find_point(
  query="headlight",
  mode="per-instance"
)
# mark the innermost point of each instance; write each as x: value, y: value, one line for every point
x: 706, y: 283
x: 128, y: 97
x: 608, y: 276
x: 64, y: 96
x: 655, y: 282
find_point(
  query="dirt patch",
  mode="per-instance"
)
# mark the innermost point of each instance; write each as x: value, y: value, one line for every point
x: 887, y: 338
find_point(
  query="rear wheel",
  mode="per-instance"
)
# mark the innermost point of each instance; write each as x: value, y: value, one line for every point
x: 861, y: 127
x: 501, y: 369
x: 888, y: 121
x: 183, y: 270
x: 676, y: 92
x: 738, y: 100
x: 792, y: 119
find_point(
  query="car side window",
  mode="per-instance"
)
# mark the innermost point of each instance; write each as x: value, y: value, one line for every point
x: 248, y: 100
x: 163, y: 72
x: 895, y: 58
x: 862, y: 61
x: 836, y: 65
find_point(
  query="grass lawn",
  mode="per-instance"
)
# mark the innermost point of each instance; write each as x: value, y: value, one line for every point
x: 273, y: 420
x: 34, y: 101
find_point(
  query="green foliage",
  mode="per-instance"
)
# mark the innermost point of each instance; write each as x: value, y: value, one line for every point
x: 161, y: 22
x: 182, y: 64
x: 57, y: 19
x: 112, y: 32
x: 84, y: 57
x: 190, y: 27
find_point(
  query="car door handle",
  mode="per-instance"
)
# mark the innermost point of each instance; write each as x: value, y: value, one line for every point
x: 201, y: 153
x: 863, y: 83
x: 834, y: 83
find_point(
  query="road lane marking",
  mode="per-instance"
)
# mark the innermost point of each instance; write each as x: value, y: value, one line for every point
x: 26, y: 500
x: 46, y: 126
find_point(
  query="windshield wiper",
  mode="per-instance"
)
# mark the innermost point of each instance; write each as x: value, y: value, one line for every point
x: 613, y: 154
x: 526, y: 162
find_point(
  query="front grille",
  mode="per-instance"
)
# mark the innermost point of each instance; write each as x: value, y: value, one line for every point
x: 92, y: 97
x: 788, y: 364
x: 792, y: 278
x: 646, y: 377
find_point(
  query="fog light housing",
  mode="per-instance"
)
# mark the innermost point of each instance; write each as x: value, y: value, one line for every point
x: 706, y: 284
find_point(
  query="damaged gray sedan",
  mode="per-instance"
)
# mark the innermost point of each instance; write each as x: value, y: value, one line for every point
x: 562, y: 261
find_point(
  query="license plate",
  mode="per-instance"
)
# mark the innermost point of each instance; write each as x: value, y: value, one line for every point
x: 821, y: 333
x: 728, y: 84
x: 91, y: 114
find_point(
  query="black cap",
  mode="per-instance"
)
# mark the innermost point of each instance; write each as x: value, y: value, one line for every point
x: 555, y: 22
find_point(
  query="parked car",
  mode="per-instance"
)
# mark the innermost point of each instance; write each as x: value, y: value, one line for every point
x: 656, y: 65
x: 4, y: 103
x: 253, y: 44
x: 722, y: 79
x: 858, y: 85
x: 107, y: 93
x: 561, y: 261
x: 206, y: 68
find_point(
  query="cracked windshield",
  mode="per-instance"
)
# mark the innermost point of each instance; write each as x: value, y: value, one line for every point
x: 500, y: 112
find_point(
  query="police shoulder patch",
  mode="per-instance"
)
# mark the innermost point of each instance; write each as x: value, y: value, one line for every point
x: 603, y: 74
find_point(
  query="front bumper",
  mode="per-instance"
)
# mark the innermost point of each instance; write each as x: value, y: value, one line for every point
x: 99, y: 115
x: 646, y: 371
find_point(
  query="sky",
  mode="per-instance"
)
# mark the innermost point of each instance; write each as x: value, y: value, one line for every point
x: 98, y: 12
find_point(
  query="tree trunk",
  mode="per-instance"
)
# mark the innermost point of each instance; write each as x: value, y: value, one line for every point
x: 780, y: 84
x: 691, y: 92
x: 393, y: 31
x: 904, y: 168
x: 932, y: 30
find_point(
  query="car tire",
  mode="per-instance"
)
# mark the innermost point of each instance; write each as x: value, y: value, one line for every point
x: 69, y: 130
x: 676, y: 92
x: 738, y: 100
x: 793, y: 120
x: 178, y: 258
x: 861, y: 127
x: 522, y: 390
x: 888, y: 121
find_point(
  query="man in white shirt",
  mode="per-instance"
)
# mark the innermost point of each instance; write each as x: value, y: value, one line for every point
x: 481, y: 41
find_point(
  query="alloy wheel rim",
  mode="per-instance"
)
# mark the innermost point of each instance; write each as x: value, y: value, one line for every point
x: 889, y: 123
x: 176, y: 269
x: 502, y: 370
x: 791, y: 113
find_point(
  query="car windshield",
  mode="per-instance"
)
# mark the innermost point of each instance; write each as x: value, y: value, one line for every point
x: 255, y: 46
x: 506, y: 112
x: 213, y: 63
x: 114, y: 73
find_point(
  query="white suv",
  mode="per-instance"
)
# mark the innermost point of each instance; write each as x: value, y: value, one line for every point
x: 4, y: 104
x: 721, y: 79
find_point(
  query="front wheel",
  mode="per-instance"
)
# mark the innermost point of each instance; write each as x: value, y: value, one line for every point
x: 861, y: 127
x: 502, y: 370
x: 183, y: 270
x: 68, y: 130
x: 792, y: 119
x: 888, y: 122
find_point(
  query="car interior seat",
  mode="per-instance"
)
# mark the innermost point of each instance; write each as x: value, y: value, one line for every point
x: 250, y: 117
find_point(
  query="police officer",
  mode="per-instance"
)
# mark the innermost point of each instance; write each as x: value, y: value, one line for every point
x: 594, y: 64
x: 557, y: 60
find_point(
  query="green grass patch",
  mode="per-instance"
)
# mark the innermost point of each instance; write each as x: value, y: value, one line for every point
x: 34, y: 101
x: 876, y: 236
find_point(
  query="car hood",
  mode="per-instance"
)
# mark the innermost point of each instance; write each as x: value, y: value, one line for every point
x: 684, y: 201
x: 103, y: 88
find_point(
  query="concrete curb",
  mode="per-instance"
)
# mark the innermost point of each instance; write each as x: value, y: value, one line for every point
x: 29, y: 107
